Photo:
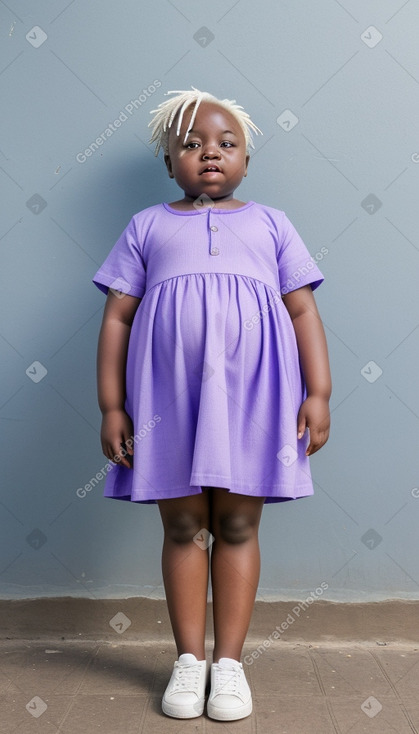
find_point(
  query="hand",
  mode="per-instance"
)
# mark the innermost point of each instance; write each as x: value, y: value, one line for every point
x: 116, y: 431
x: 314, y: 415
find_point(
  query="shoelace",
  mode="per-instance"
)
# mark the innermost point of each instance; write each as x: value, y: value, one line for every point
x: 187, y: 678
x: 226, y: 681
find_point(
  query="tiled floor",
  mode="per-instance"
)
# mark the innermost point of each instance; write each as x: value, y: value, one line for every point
x: 76, y: 687
x: 309, y: 683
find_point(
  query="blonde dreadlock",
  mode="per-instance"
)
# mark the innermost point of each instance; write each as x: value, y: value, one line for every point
x: 166, y: 113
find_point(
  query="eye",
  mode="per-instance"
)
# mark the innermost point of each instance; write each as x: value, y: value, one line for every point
x: 230, y: 145
x: 189, y: 144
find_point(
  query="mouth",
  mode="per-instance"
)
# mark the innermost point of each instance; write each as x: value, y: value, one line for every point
x: 210, y: 169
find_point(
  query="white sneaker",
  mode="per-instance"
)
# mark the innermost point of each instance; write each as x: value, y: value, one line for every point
x: 184, y: 697
x: 230, y: 696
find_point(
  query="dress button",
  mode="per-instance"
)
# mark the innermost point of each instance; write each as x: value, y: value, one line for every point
x: 215, y: 251
x: 214, y: 228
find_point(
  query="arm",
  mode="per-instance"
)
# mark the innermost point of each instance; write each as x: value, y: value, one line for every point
x: 111, y: 363
x: 311, y: 340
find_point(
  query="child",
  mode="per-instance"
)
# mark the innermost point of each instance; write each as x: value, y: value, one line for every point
x: 212, y: 365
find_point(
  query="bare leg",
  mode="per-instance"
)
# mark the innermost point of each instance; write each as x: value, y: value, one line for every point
x: 235, y: 568
x: 185, y: 570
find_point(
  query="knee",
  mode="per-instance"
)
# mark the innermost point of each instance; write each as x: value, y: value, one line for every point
x: 182, y: 527
x: 236, y: 528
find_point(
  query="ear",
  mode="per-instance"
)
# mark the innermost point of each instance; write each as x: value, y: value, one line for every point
x: 168, y: 163
x: 246, y: 164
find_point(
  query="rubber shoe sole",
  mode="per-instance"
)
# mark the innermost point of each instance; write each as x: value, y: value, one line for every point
x: 228, y: 714
x: 177, y: 711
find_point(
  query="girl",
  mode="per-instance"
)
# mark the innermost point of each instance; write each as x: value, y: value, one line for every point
x: 213, y: 382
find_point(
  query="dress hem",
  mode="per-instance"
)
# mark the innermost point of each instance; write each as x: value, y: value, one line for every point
x: 267, y: 499
x: 175, y: 493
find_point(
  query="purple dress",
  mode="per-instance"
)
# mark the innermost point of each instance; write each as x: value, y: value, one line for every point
x: 213, y: 379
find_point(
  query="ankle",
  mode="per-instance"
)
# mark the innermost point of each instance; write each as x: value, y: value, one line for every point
x: 217, y: 658
x: 198, y: 652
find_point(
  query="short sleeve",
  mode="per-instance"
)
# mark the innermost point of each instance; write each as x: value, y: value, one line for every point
x: 296, y: 267
x: 124, y: 268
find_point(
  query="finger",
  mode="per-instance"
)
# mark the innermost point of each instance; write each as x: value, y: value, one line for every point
x: 116, y: 453
x: 301, y: 426
x: 128, y: 452
x: 313, y: 442
x: 126, y: 458
x: 312, y: 448
x: 107, y: 450
x: 317, y: 441
x: 128, y: 445
x: 121, y: 456
x: 121, y: 459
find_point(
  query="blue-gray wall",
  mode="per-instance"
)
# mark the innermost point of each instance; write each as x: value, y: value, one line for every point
x: 347, y: 73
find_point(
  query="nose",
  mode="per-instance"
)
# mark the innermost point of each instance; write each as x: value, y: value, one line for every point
x: 210, y: 151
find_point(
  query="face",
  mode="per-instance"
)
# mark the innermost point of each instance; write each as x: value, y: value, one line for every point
x: 216, y: 141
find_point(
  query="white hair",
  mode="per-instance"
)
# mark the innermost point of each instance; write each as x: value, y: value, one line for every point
x: 166, y: 113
